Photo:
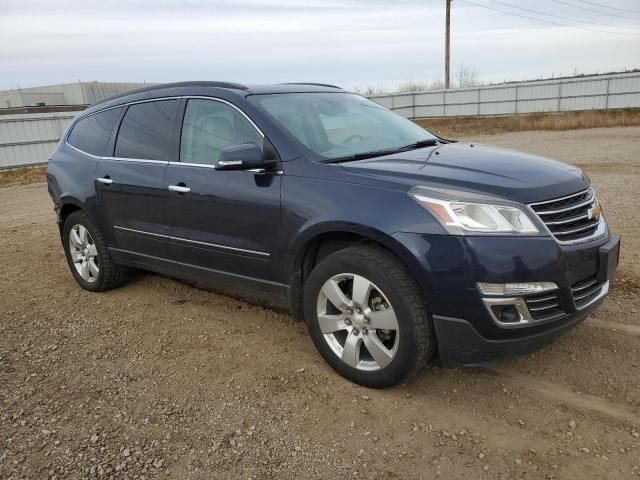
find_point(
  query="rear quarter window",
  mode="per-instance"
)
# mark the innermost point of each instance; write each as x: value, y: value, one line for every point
x: 146, y: 131
x: 91, y: 134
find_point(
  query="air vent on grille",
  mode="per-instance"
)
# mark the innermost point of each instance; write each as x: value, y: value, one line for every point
x: 571, y: 218
x: 544, y: 306
x: 585, y: 291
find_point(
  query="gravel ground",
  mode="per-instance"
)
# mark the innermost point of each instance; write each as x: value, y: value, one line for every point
x: 160, y: 380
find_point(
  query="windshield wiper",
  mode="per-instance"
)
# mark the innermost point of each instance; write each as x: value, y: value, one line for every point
x: 430, y: 142
x: 379, y: 153
x: 362, y: 156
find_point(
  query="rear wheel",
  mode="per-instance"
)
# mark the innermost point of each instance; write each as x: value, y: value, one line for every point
x: 87, y: 255
x: 367, y: 317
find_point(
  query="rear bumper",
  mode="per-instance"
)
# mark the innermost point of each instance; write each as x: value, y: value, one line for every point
x: 460, y: 344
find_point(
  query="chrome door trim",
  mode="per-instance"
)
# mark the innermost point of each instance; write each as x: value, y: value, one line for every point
x: 169, y: 237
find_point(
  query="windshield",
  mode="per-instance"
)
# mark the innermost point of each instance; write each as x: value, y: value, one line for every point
x: 341, y: 125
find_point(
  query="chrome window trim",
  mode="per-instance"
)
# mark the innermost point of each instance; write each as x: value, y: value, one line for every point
x: 137, y: 160
x: 169, y: 237
x: 213, y: 167
x: 158, y: 99
x: 81, y: 151
x: 189, y: 164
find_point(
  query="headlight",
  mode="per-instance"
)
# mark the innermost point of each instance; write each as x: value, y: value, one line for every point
x: 465, y: 217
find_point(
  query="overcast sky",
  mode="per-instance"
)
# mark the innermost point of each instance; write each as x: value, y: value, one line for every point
x: 347, y: 42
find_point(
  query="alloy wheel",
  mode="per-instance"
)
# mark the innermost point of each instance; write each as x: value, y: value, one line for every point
x: 84, y: 253
x: 358, y: 322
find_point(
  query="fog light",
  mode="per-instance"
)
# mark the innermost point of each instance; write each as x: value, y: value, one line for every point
x: 506, y: 313
x: 515, y: 288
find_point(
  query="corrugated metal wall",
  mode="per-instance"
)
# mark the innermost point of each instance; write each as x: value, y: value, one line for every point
x: 30, y: 138
x: 595, y: 92
x: 95, y: 91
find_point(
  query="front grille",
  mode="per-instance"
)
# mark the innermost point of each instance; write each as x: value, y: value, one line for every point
x: 585, y: 291
x: 569, y: 219
x: 544, y: 306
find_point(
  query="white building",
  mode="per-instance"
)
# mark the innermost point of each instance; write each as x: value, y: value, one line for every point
x: 79, y: 93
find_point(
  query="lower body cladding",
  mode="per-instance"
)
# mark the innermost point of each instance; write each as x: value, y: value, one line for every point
x: 494, y: 298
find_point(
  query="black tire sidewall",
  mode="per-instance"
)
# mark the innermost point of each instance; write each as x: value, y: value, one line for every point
x: 80, y: 218
x: 407, y: 354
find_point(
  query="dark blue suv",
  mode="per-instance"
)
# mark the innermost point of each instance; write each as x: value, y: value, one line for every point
x: 395, y: 245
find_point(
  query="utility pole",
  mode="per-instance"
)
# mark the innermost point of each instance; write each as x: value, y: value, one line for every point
x: 447, y: 46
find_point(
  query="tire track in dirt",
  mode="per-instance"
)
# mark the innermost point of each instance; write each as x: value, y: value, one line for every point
x: 624, y: 327
x: 562, y: 394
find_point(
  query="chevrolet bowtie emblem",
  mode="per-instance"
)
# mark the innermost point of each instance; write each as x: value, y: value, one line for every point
x: 595, y: 211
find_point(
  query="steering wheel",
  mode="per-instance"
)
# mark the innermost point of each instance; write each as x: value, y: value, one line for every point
x: 353, y: 137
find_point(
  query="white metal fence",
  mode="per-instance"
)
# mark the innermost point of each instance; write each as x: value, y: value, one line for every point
x: 596, y: 92
x: 29, y: 139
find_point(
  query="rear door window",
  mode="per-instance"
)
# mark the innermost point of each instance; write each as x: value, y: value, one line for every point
x: 91, y: 134
x: 146, y: 131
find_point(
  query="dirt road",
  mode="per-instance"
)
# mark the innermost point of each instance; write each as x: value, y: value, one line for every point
x: 160, y: 380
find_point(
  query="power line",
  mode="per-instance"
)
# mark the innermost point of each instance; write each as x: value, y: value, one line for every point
x: 551, y: 22
x: 608, y: 6
x: 548, y: 14
x: 590, y: 9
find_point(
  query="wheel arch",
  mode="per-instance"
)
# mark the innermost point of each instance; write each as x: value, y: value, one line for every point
x: 322, y: 240
x: 66, y: 207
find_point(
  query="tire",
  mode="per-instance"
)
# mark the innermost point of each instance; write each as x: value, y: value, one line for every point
x: 108, y: 274
x: 392, y: 293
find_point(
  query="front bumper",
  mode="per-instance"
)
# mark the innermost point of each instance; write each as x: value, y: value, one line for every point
x: 460, y: 344
x: 448, y: 269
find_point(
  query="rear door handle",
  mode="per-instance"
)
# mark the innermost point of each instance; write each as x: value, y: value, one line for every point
x: 105, y: 180
x: 179, y: 188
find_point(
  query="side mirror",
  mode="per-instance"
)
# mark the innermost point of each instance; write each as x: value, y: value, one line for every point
x: 247, y: 156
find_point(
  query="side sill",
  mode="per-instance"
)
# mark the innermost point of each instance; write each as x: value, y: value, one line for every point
x: 249, y: 289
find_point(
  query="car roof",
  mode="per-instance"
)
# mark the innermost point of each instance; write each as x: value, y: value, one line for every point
x: 209, y: 88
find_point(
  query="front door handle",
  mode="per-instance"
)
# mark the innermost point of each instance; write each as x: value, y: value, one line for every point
x: 179, y: 188
x: 105, y: 180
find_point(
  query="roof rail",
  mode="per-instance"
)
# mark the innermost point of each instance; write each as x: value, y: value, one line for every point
x: 159, y: 86
x: 313, y: 84
x: 203, y: 83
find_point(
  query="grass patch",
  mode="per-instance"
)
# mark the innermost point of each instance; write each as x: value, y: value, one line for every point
x: 455, y: 127
x: 23, y: 176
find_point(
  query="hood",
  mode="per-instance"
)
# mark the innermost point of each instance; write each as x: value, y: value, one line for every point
x: 479, y: 168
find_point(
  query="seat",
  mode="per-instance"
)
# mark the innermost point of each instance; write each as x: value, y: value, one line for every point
x: 210, y: 135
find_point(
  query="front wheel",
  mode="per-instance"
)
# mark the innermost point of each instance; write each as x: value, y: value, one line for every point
x: 367, y: 317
